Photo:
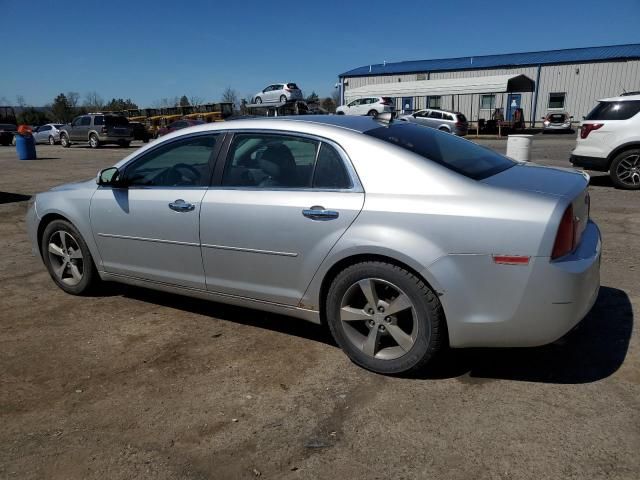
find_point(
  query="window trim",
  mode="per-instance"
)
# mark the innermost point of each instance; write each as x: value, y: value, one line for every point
x: 223, y: 158
x: 564, y: 101
x: 213, y: 159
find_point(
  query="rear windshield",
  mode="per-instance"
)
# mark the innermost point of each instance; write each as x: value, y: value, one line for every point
x: 614, y: 110
x: 556, y: 118
x: 116, y: 120
x: 454, y: 153
x: 292, y: 86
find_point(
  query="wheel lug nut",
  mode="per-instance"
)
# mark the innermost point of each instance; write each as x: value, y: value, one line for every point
x: 371, y: 323
x: 387, y: 319
x: 381, y: 309
x: 382, y: 328
x: 371, y: 311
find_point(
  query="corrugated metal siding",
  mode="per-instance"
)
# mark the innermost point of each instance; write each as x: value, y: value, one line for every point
x: 595, y: 80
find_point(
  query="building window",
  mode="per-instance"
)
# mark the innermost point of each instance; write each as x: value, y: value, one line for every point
x: 556, y: 101
x: 487, y: 102
x: 433, y: 102
x: 421, y: 76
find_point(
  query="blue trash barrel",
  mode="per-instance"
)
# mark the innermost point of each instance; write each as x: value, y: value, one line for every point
x: 26, y: 147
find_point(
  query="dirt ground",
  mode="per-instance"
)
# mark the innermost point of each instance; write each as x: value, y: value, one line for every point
x: 138, y: 384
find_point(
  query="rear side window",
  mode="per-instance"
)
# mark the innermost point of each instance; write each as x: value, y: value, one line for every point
x: 330, y: 171
x: 446, y: 116
x: 116, y: 120
x: 435, y: 114
x: 454, y: 153
x: 98, y: 120
x: 292, y: 86
x: 614, y: 110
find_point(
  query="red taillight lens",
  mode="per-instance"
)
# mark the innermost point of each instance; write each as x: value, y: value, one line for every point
x: 587, y: 128
x: 104, y: 129
x: 566, y: 236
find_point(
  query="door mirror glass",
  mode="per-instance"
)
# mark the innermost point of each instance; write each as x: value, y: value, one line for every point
x: 108, y: 176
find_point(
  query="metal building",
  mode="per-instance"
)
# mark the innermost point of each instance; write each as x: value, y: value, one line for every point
x: 568, y: 80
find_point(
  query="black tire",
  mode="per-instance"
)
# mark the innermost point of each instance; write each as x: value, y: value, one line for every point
x: 373, y: 113
x: 283, y: 98
x: 625, y: 170
x: 124, y: 144
x: 94, y: 142
x: 64, y: 140
x: 90, y: 277
x: 257, y: 100
x: 444, y: 129
x: 340, y: 113
x: 428, y: 317
x: 52, y: 141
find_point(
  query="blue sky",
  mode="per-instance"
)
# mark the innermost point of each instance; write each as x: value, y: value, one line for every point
x: 149, y: 50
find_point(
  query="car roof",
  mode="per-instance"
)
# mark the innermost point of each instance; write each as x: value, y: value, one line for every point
x: 626, y: 98
x: 356, y: 123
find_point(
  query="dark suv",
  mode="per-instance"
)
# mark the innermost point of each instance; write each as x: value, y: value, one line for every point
x: 97, y: 129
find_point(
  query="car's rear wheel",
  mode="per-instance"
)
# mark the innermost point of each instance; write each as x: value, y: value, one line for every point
x: 444, y: 129
x: 373, y: 113
x: 625, y: 170
x: 283, y: 98
x: 64, y: 141
x: 257, y: 100
x: 385, y: 318
x: 67, y: 258
x: 124, y: 144
x: 52, y: 141
x: 94, y: 142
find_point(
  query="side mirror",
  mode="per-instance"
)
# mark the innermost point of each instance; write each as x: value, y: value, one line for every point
x: 108, y: 177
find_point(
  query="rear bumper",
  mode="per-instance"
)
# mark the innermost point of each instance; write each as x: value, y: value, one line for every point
x: 489, y: 305
x: 600, y: 164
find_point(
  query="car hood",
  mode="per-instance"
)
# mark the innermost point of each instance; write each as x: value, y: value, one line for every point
x: 90, y: 183
x: 530, y: 177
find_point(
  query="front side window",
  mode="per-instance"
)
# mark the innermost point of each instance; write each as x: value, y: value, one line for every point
x: 45, y: 128
x: 556, y: 100
x: 182, y: 163
x: 487, y: 102
x: 433, y: 102
x: 456, y: 154
x: 270, y: 161
x: 435, y: 114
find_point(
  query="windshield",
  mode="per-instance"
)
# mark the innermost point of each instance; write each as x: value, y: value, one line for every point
x: 454, y: 153
x: 614, y: 110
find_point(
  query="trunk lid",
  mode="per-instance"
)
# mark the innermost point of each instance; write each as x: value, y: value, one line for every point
x: 534, y: 178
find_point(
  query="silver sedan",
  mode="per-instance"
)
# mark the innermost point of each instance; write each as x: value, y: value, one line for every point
x: 401, y: 238
x: 48, y: 133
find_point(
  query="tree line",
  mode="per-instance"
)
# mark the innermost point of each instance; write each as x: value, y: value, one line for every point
x: 66, y: 106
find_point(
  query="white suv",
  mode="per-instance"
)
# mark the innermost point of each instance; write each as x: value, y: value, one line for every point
x: 609, y: 141
x: 372, y: 106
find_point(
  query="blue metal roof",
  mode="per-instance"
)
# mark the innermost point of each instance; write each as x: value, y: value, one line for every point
x: 570, y: 55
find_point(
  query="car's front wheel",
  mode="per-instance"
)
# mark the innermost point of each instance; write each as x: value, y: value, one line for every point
x: 283, y: 98
x: 384, y: 317
x: 625, y: 170
x: 257, y: 100
x: 52, y: 141
x: 64, y: 141
x: 67, y: 258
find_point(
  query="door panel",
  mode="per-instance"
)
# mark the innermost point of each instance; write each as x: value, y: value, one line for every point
x: 139, y: 235
x: 258, y: 244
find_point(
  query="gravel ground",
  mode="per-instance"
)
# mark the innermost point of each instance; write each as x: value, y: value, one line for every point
x: 139, y: 384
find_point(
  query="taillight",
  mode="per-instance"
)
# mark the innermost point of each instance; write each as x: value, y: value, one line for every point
x: 103, y: 129
x: 566, y: 236
x: 461, y: 124
x: 587, y: 128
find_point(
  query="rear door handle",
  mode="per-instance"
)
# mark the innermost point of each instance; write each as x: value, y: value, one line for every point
x: 319, y: 213
x: 181, y: 206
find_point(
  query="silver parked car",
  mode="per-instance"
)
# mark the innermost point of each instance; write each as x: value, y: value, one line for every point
x: 48, y: 133
x: 450, y: 122
x: 400, y: 237
x: 556, y: 122
x: 278, y: 92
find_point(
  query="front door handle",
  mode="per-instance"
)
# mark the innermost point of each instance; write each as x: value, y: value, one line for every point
x: 319, y: 213
x: 181, y: 206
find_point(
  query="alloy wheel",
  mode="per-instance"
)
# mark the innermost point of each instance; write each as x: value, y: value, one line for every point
x: 379, y: 319
x: 66, y: 258
x: 628, y: 170
x: 52, y: 141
